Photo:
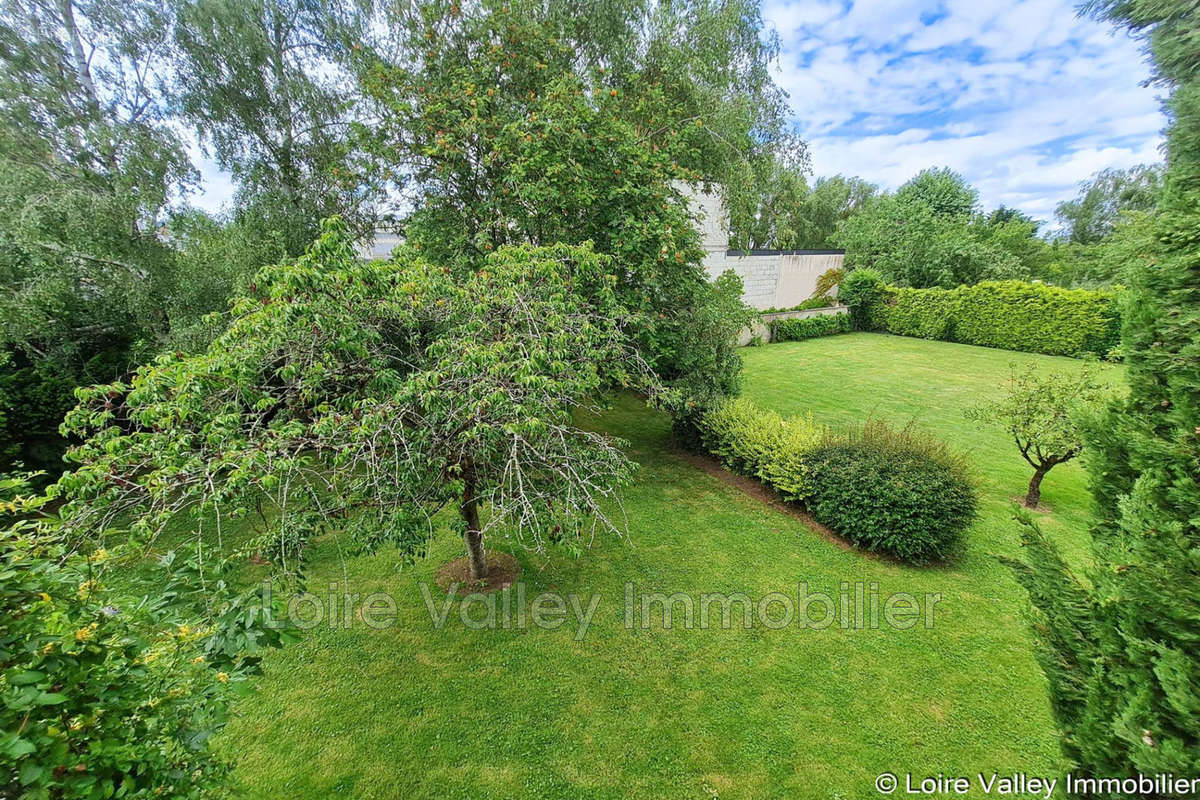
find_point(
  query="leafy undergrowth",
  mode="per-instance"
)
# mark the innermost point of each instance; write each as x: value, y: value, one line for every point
x: 413, y: 711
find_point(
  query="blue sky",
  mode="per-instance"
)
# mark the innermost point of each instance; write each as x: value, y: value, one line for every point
x: 1025, y: 99
x: 1022, y: 97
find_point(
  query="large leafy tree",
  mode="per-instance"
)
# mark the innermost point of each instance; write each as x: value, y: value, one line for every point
x: 708, y: 60
x: 87, y: 164
x: 943, y: 191
x: 793, y: 216
x: 363, y: 397
x: 1121, y: 650
x: 928, y: 234
x: 1091, y: 216
x: 275, y: 108
x: 503, y: 137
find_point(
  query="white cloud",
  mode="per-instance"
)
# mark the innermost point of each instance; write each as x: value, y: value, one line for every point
x: 1025, y: 99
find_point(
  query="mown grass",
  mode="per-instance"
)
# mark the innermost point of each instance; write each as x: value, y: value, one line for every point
x: 412, y: 711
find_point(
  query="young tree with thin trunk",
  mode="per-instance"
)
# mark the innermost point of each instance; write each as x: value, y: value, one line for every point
x: 1038, y: 411
x: 362, y: 398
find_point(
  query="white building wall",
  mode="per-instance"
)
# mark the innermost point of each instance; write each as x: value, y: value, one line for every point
x: 772, y: 279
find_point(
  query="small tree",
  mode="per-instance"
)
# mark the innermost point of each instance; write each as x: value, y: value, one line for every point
x: 364, y: 397
x: 1037, y: 411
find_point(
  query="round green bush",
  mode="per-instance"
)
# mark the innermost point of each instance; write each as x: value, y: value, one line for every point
x: 892, y: 491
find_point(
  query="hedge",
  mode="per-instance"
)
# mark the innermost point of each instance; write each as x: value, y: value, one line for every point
x: 1013, y: 315
x: 886, y: 490
x: 798, y: 328
x: 762, y: 444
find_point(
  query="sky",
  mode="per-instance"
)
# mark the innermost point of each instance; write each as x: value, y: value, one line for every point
x: 1022, y: 97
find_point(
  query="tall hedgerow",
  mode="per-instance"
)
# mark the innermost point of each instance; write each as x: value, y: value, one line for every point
x: 1123, y: 654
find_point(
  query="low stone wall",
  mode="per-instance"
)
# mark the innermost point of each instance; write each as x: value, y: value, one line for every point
x: 762, y: 328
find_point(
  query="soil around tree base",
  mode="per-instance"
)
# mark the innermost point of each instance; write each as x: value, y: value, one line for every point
x: 503, y: 571
x: 1042, y: 508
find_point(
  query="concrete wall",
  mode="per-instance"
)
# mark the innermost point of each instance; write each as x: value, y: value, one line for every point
x: 778, y: 279
x: 798, y: 275
x: 772, y: 278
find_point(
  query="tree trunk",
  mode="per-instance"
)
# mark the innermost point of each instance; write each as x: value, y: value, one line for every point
x: 1034, y: 496
x: 472, y: 535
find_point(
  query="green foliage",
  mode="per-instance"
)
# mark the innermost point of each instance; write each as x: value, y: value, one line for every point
x: 1120, y: 650
x: 892, y: 491
x: 795, y: 329
x: 704, y: 360
x: 108, y: 694
x: 347, y: 396
x: 275, y: 110
x: 760, y: 443
x: 1012, y: 315
x: 215, y: 261
x: 791, y: 216
x: 538, y: 138
x: 1107, y: 196
x: 865, y: 291
x: 828, y: 281
x: 914, y: 245
x: 88, y: 162
x: 928, y: 234
x: 943, y: 191
x: 1040, y: 413
x: 898, y: 492
x: 812, y: 302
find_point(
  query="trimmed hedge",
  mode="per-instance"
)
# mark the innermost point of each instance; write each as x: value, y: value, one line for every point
x: 892, y: 491
x: 1012, y: 315
x: 798, y: 328
x: 762, y: 444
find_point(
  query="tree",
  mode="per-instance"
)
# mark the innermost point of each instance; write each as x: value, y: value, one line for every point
x: 1004, y: 214
x: 942, y: 190
x: 1016, y: 234
x: 913, y: 245
x: 88, y: 162
x: 503, y: 139
x: 363, y: 397
x: 215, y: 259
x: 1102, y: 200
x: 276, y: 108
x: 791, y: 216
x: 1038, y: 411
x: 1119, y: 650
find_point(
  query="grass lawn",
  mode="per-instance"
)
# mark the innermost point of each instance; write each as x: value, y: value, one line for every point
x: 414, y: 711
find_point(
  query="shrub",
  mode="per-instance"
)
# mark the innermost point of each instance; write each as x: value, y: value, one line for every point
x: 107, y: 694
x: 892, y: 491
x: 828, y: 280
x: 817, y: 301
x: 762, y: 444
x: 798, y: 328
x: 887, y: 490
x: 92, y: 702
x: 865, y: 292
x: 1013, y: 315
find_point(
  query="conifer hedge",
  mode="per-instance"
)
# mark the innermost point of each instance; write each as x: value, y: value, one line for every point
x: 1012, y: 315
